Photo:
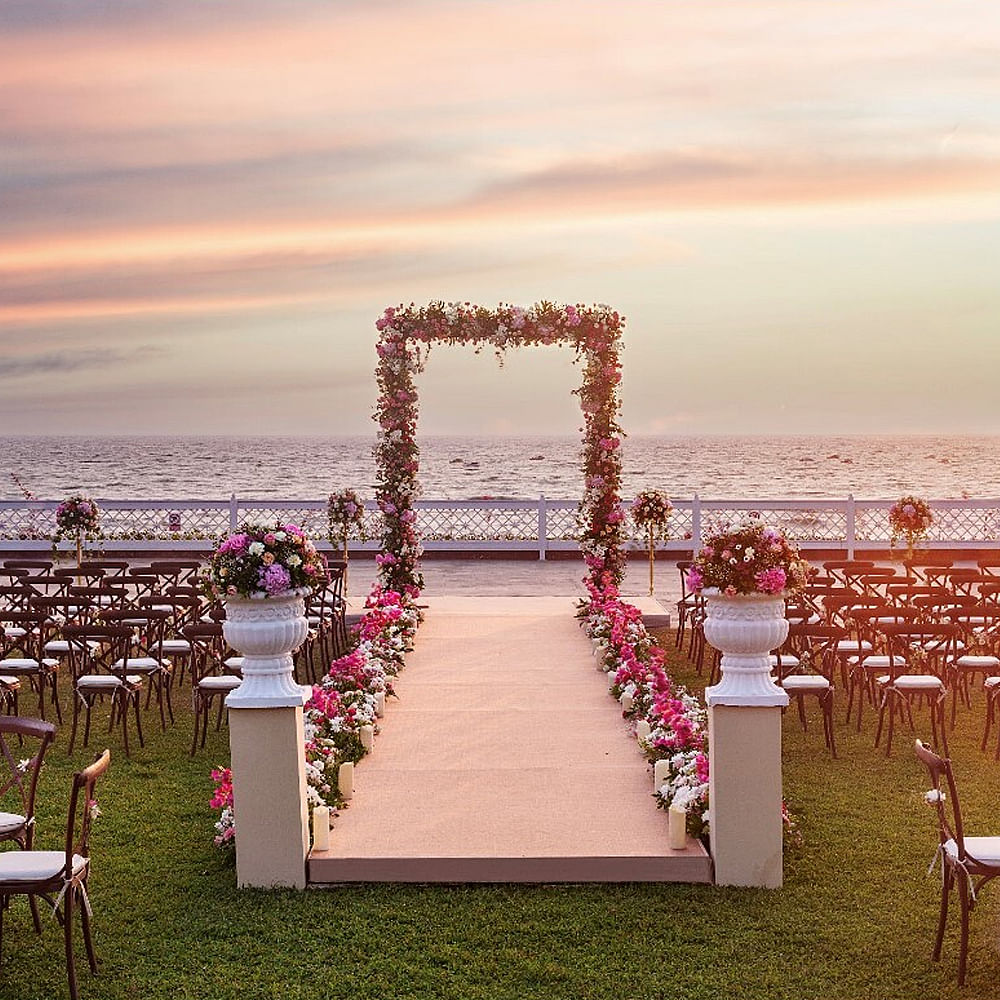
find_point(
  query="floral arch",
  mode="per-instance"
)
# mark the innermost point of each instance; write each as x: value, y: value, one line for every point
x: 406, y: 334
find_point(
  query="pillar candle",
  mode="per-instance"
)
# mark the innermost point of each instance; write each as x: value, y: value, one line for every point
x: 642, y: 730
x: 345, y: 779
x: 367, y: 737
x: 677, y: 828
x: 628, y: 702
x: 321, y: 828
x: 661, y: 771
x: 380, y: 703
x: 611, y: 678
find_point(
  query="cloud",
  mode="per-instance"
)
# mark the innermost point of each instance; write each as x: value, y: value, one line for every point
x: 63, y: 362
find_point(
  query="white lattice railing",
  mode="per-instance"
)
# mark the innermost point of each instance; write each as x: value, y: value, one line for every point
x: 540, y: 525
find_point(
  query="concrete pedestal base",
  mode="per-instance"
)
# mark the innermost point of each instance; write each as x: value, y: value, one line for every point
x: 745, y: 794
x: 269, y: 797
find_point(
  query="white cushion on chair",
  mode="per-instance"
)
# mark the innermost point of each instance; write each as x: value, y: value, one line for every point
x: 105, y: 680
x: 220, y: 683
x: 805, y: 683
x: 787, y: 660
x: 982, y: 848
x: 918, y: 682
x: 36, y: 866
x: 14, y: 631
x: 852, y: 646
x: 176, y: 646
x: 233, y: 663
x: 144, y: 664
x: 8, y: 681
x: 25, y: 665
x: 991, y: 682
x: 977, y: 662
x: 10, y: 821
x: 881, y: 662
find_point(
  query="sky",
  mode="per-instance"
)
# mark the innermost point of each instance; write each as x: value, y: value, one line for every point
x: 204, y: 207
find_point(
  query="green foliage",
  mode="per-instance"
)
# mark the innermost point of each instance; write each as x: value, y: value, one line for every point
x: 855, y: 919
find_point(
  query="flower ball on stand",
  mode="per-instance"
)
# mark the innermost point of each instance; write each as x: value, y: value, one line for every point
x: 263, y: 574
x: 651, y: 512
x: 77, y: 517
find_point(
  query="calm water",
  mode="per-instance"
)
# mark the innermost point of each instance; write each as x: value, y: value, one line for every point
x: 880, y: 467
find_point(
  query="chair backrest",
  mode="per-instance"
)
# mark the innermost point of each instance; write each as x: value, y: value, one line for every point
x: 95, y: 647
x: 18, y: 773
x: 82, y: 807
x: 207, y: 647
x: 907, y: 643
x: 815, y: 645
x: 36, y: 626
x: 949, y: 817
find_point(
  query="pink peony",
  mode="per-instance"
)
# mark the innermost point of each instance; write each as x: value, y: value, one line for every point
x: 771, y: 581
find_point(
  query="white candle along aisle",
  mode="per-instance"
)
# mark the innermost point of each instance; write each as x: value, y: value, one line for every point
x: 321, y: 828
x: 345, y: 779
x: 367, y: 734
x: 677, y: 828
x: 627, y: 701
x: 642, y: 730
x: 661, y: 772
x: 380, y: 703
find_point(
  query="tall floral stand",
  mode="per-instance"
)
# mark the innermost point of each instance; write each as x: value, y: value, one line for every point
x: 744, y: 738
x: 652, y: 558
x: 266, y: 741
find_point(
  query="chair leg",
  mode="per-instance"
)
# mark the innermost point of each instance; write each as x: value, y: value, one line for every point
x: 68, y: 933
x: 196, y: 702
x: 88, y: 939
x: 963, y: 947
x: 35, y: 918
x: 826, y: 702
x: 947, y: 882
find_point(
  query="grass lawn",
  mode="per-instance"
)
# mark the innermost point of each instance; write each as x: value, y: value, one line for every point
x: 855, y: 919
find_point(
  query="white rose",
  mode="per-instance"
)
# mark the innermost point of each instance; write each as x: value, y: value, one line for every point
x: 294, y: 561
x: 280, y: 536
x: 256, y: 548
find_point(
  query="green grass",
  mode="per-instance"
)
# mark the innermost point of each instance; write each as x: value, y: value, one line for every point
x: 855, y: 919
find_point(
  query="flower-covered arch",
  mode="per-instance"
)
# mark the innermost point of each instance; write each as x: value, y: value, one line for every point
x: 406, y: 334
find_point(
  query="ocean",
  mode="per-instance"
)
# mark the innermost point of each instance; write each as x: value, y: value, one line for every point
x: 309, y: 468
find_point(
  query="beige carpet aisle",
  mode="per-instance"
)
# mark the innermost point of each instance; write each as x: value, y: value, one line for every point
x: 504, y: 760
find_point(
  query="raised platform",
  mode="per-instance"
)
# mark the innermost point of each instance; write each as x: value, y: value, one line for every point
x: 504, y: 760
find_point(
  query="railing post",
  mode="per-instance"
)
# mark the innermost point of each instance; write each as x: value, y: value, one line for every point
x: 543, y: 527
x: 695, y: 524
x: 851, y: 525
x: 234, y: 513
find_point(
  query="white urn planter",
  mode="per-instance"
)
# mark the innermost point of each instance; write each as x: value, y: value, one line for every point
x: 746, y: 628
x: 266, y: 631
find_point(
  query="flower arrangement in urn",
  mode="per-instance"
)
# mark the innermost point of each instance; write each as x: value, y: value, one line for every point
x: 909, y: 518
x: 748, y: 557
x: 651, y: 512
x: 261, y: 561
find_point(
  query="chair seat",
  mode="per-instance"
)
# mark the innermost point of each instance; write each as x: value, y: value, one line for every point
x: 805, y: 683
x: 788, y: 661
x: 142, y: 664
x: 881, y: 662
x: 14, y: 631
x: 25, y: 665
x: 917, y: 682
x: 60, y: 647
x: 9, y: 822
x: 853, y: 646
x: 109, y: 681
x: 178, y: 647
x: 35, y: 866
x: 233, y: 663
x: 7, y: 681
x: 991, y: 682
x: 971, y: 662
x: 981, y: 848
x: 220, y: 683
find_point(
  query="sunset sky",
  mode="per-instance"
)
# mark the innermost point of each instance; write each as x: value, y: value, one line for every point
x: 204, y: 206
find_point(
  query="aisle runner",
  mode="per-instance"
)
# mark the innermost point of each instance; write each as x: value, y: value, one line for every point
x: 504, y: 760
